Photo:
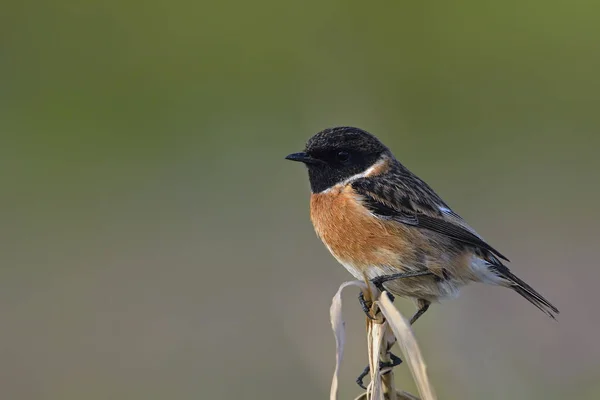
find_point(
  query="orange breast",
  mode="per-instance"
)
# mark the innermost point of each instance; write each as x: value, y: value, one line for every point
x: 354, y: 236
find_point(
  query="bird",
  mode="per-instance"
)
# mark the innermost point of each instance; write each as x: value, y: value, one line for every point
x: 382, y: 222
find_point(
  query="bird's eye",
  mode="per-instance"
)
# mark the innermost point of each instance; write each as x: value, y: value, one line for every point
x: 342, y: 156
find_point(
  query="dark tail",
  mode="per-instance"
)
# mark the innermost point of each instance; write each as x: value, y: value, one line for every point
x: 527, y: 291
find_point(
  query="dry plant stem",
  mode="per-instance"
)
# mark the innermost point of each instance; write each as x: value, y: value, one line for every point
x: 381, y: 335
x: 400, y: 395
x: 338, y: 326
x: 379, y: 341
x: 381, y: 355
x: 375, y: 336
x: 387, y: 380
x: 408, y: 345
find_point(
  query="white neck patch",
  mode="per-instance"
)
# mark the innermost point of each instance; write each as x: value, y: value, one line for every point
x: 372, y: 170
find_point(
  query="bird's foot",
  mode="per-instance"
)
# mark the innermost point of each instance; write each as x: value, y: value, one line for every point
x: 395, y: 360
x: 366, y: 305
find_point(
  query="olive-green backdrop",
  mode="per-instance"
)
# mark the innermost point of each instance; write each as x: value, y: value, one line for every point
x: 156, y: 245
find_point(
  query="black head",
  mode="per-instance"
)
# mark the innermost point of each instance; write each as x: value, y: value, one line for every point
x: 335, y: 154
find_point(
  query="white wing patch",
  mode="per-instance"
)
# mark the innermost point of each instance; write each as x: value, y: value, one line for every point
x: 445, y: 210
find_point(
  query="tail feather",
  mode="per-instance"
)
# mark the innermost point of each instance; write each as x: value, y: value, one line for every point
x: 527, y: 291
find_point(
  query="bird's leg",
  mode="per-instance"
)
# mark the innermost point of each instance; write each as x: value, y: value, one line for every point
x: 380, y: 280
x: 395, y: 360
x: 366, y: 305
x: 423, y: 306
x: 361, y: 377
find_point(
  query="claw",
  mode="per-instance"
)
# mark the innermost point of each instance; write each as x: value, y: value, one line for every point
x: 366, y: 305
x: 394, y: 361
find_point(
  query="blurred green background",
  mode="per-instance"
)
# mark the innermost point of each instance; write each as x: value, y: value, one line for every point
x: 155, y: 244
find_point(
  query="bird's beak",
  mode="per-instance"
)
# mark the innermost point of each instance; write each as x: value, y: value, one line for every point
x: 303, y: 158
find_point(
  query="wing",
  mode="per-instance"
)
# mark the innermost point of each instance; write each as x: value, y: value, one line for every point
x: 402, y: 197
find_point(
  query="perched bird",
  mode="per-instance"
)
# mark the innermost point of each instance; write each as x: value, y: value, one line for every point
x: 381, y: 221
